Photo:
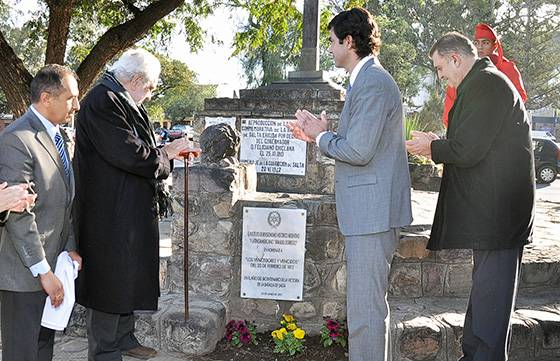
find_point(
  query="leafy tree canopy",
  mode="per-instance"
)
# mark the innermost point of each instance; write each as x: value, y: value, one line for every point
x: 178, y: 96
x: 86, y: 35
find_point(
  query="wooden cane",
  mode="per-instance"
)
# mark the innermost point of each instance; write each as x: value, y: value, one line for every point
x: 186, y: 236
x: 186, y: 155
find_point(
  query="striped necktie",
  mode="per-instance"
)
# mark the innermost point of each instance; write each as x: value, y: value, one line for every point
x: 60, y: 148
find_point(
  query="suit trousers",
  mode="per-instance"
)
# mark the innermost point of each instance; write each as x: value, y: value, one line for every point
x: 368, y: 262
x: 109, y: 334
x: 486, y: 333
x: 23, y: 337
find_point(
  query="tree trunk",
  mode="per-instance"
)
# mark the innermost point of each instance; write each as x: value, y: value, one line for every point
x: 119, y: 38
x: 15, y: 80
x: 60, y: 15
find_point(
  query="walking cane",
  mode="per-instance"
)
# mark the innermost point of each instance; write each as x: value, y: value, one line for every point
x: 186, y: 155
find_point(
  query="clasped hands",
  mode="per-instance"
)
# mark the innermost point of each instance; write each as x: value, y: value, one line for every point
x: 307, y: 126
x: 16, y: 198
x: 421, y: 143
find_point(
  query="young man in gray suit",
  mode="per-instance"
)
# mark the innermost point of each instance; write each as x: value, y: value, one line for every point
x: 32, y: 152
x: 372, y: 180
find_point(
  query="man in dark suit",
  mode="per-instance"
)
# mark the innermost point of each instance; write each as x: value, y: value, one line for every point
x: 117, y: 158
x: 33, y: 153
x: 486, y: 199
x: 372, y: 181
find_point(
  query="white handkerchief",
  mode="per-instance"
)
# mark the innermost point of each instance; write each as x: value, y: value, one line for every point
x: 57, y: 318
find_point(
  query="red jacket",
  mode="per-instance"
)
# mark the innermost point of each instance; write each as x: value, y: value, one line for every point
x: 506, y: 66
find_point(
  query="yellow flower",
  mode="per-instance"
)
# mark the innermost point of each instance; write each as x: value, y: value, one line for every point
x: 281, y: 332
x: 274, y: 334
x: 288, y: 318
x: 291, y: 326
x: 299, y: 333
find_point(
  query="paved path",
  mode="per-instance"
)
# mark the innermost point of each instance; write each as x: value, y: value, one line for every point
x: 75, y: 349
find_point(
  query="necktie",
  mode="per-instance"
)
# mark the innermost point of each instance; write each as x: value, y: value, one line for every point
x: 348, y: 89
x: 62, y: 153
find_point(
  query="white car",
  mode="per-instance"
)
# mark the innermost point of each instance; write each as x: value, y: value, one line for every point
x: 543, y: 134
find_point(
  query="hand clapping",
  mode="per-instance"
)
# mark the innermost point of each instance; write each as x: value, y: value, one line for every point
x: 307, y: 126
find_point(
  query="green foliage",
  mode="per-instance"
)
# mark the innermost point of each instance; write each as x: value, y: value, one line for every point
x: 29, y: 39
x: 531, y: 38
x: 90, y: 20
x: 429, y: 117
x: 178, y: 96
x: 410, y: 124
x: 270, y: 41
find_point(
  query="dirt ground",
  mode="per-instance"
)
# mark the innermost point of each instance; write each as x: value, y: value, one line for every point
x: 314, y: 351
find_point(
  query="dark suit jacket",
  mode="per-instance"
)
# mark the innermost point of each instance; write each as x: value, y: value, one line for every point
x: 117, y: 164
x: 28, y: 154
x: 486, y: 200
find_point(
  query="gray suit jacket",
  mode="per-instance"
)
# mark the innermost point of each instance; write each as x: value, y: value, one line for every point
x: 372, y: 182
x: 27, y: 154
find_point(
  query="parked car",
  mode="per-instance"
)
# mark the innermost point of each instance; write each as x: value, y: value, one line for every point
x: 547, y: 159
x: 180, y: 130
x: 162, y: 135
x: 542, y: 134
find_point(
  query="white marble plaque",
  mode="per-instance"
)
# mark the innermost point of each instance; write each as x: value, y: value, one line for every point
x: 208, y: 121
x: 273, y: 253
x: 269, y: 145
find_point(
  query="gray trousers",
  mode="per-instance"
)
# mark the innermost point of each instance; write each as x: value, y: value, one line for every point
x: 486, y: 333
x: 23, y: 337
x: 368, y: 262
x: 109, y: 334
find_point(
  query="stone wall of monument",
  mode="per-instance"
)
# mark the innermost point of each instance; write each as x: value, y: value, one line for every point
x: 281, y: 103
x: 216, y: 200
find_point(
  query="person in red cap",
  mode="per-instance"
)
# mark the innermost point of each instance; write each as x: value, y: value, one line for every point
x: 487, y: 44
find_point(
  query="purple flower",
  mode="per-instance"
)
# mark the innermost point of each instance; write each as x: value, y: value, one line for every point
x: 245, y: 337
x: 332, y: 325
x: 334, y: 335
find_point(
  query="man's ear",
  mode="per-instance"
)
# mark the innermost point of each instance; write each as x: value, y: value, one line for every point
x: 456, y: 59
x: 349, y: 41
x: 45, y: 98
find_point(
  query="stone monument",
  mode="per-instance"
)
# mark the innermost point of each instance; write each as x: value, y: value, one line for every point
x: 305, y: 88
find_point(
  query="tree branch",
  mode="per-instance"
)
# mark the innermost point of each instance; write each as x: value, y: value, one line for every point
x: 121, y: 37
x: 131, y: 7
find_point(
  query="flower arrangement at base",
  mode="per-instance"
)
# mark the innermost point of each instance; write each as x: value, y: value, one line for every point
x: 334, y: 332
x: 241, y: 332
x: 289, y: 338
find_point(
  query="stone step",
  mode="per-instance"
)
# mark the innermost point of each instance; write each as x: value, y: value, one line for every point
x: 422, y: 329
x: 431, y: 329
x: 417, y: 272
x: 166, y: 330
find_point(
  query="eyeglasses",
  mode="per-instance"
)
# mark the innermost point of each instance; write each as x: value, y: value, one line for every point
x: 483, y: 42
